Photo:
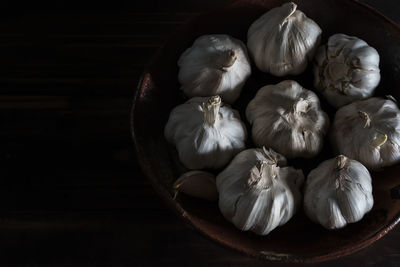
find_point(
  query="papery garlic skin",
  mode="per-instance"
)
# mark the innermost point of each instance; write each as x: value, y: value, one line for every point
x: 288, y: 118
x: 369, y: 132
x: 258, y: 192
x: 338, y: 192
x: 283, y: 40
x: 206, y: 133
x: 346, y: 69
x: 214, y: 65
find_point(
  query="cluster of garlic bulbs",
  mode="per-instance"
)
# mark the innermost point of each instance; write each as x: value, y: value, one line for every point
x: 256, y: 189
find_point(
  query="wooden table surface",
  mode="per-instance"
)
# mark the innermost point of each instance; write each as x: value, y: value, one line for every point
x: 71, y: 191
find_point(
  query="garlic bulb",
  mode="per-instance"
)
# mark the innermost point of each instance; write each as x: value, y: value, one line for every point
x: 198, y: 184
x: 283, y: 40
x: 369, y: 132
x: 287, y: 118
x: 346, y: 69
x: 258, y: 192
x: 338, y: 192
x: 206, y: 133
x: 214, y: 65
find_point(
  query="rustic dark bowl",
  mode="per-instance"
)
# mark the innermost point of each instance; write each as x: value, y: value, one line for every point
x: 299, y: 240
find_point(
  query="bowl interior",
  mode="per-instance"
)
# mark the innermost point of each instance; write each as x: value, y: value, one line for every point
x: 299, y: 240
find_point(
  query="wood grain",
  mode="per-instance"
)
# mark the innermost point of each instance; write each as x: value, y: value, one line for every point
x: 71, y: 191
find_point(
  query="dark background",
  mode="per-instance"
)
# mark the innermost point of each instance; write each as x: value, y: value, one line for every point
x: 71, y: 191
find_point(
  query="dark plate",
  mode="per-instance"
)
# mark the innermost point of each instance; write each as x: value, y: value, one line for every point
x: 299, y: 240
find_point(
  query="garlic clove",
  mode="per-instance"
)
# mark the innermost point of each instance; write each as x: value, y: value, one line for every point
x: 199, y: 184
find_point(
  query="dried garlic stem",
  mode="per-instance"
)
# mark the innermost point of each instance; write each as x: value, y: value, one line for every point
x: 379, y: 140
x: 211, y: 109
x: 341, y: 163
x: 366, y: 117
x: 261, y: 175
x: 270, y: 156
x: 227, y: 59
x: 291, y: 8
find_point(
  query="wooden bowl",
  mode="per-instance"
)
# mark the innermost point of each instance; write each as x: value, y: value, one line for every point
x: 299, y: 240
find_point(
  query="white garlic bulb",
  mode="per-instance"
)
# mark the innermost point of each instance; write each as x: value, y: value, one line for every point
x: 338, y: 192
x: 215, y: 65
x: 206, y: 133
x: 346, y: 69
x: 288, y: 118
x: 258, y: 192
x: 283, y: 40
x: 369, y: 132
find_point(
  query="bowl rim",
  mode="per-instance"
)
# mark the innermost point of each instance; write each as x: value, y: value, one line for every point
x: 187, y: 218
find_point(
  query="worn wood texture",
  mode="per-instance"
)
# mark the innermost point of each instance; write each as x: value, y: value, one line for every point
x: 71, y: 191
